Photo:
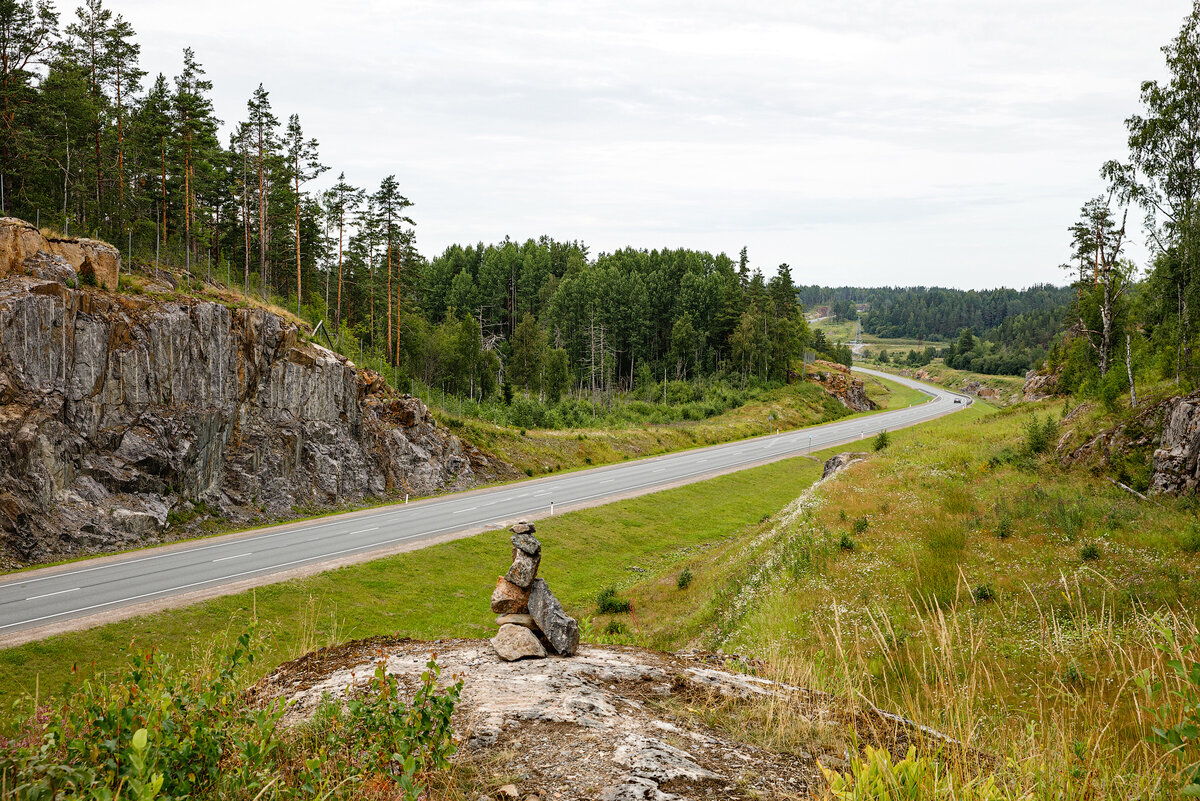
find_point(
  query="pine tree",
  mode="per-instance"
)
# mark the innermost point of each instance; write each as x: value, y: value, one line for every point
x: 262, y: 123
x: 304, y: 166
x: 391, y: 205
x: 195, y: 129
x: 27, y: 35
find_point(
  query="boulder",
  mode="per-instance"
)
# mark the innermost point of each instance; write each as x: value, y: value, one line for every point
x: 517, y: 642
x: 517, y: 620
x: 508, y: 598
x: 524, y: 566
x: 841, y: 461
x: 561, y: 630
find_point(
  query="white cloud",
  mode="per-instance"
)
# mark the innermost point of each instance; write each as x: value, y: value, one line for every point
x: 862, y: 142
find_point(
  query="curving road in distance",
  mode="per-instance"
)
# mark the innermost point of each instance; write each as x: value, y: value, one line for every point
x: 37, y: 603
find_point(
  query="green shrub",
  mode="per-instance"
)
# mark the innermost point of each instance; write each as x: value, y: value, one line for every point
x: 1004, y: 528
x: 1090, y: 552
x: 157, y: 732
x: 1178, y: 718
x: 878, y: 778
x: 1189, y: 538
x: 1039, y: 434
x: 610, y: 604
x: 614, y: 627
x: 984, y: 593
x: 882, y: 440
x: 860, y: 525
x: 685, y: 579
x: 846, y: 543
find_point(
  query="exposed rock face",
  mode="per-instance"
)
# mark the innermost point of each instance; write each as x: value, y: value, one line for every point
x: 561, y: 630
x: 841, y: 384
x: 514, y: 642
x: 575, y: 729
x: 1176, y: 466
x: 116, y: 410
x: 20, y: 241
x: 838, y: 462
x: 1039, y: 386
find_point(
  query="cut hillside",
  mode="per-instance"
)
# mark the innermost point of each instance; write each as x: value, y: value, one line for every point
x: 126, y: 415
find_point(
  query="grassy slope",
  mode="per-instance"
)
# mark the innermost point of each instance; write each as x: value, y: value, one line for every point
x: 971, y: 600
x: 789, y: 407
x: 1010, y: 386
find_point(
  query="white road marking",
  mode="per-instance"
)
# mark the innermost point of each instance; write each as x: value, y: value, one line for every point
x: 833, y: 434
x: 122, y: 563
x: 238, y: 556
x: 468, y: 509
x: 659, y: 470
x: 47, y: 595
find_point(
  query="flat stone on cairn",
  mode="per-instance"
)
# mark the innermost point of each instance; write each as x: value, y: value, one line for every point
x: 528, y: 614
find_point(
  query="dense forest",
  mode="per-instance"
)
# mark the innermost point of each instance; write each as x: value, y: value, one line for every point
x: 1125, y: 325
x: 90, y: 144
x: 1010, y: 330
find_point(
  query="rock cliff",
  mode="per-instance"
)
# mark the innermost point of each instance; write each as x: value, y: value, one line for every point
x: 117, y: 411
x: 841, y: 384
x: 1176, y: 465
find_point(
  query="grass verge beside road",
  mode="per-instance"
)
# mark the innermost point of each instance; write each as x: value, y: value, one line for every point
x: 441, y: 591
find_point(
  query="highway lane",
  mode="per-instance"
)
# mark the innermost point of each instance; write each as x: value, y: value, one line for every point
x: 36, y: 603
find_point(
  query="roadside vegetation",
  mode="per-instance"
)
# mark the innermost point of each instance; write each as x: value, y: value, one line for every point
x: 962, y: 578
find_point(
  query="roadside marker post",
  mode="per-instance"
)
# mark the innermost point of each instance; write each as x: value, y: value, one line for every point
x: 552, y: 508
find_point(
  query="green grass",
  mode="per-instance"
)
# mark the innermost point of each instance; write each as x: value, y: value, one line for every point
x: 1009, y: 602
x: 441, y: 591
x: 543, y: 451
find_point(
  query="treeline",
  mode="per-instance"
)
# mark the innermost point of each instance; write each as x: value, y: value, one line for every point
x: 938, y: 315
x: 1125, y: 327
x: 557, y: 319
x: 90, y: 144
x: 1011, y: 330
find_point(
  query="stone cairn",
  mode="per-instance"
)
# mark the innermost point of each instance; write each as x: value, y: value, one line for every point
x: 531, y: 620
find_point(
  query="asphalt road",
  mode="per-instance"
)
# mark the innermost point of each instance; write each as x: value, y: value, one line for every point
x: 41, y: 602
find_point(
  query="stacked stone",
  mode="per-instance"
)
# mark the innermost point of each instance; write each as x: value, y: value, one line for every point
x: 531, y: 620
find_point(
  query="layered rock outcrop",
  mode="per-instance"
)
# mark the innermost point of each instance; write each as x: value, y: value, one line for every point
x: 117, y: 410
x: 23, y: 248
x: 1039, y: 386
x: 1176, y: 465
x: 842, y: 385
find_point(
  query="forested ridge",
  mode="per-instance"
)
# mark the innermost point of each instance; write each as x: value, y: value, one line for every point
x: 90, y: 144
x: 1010, y: 330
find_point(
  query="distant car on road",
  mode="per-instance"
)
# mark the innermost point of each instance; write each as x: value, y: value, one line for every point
x: 958, y: 400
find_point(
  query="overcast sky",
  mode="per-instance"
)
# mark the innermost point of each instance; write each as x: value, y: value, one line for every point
x: 867, y: 142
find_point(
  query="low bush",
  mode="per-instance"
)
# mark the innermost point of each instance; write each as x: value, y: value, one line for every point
x: 610, y: 604
x: 155, y: 731
x: 685, y: 579
x: 882, y: 440
x: 1189, y: 538
x: 877, y: 778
